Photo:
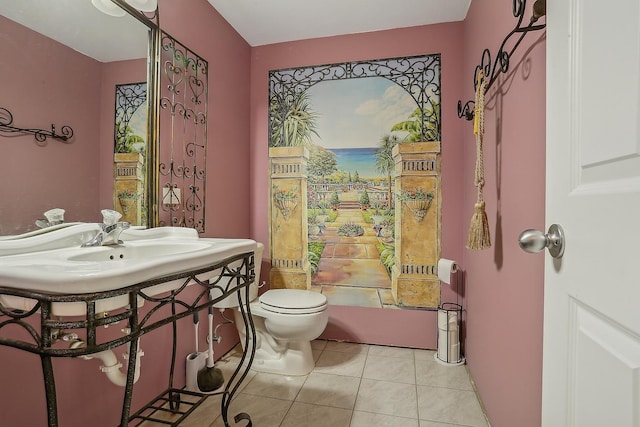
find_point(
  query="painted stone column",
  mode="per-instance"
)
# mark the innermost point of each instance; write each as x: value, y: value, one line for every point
x: 288, y: 232
x: 414, y: 280
x: 128, y: 186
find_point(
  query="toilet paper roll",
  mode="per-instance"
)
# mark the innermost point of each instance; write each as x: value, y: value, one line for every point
x: 454, y: 353
x: 447, y: 319
x: 443, y: 345
x: 446, y: 268
x: 448, y: 351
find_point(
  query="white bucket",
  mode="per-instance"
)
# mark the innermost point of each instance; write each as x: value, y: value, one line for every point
x: 195, y: 362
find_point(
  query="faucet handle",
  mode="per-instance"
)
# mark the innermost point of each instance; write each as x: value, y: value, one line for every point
x: 110, y: 217
x: 55, y: 216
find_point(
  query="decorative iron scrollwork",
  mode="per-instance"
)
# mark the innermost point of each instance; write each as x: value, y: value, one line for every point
x: 419, y: 76
x: 129, y: 97
x: 183, y: 103
x: 40, y: 135
x: 501, y: 63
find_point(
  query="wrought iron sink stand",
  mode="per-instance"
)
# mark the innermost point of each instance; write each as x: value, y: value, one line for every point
x: 50, y: 336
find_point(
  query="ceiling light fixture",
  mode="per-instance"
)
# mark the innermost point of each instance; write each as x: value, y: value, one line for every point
x: 110, y: 8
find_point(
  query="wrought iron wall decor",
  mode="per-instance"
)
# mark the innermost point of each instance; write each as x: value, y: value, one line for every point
x: 501, y: 63
x: 183, y: 132
x: 419, y: 76
x: 40, y: 135
x: 129, y: 97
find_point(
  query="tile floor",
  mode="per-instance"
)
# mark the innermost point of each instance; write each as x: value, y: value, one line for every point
x: 353, y: 385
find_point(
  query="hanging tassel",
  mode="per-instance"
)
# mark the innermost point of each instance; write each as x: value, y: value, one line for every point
x: 479, y: 236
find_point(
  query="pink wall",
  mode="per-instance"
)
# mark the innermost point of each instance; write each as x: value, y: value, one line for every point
x: 35, y: 178
x: 197, y: 25
x: 362, y: 324
x: 504, y: 285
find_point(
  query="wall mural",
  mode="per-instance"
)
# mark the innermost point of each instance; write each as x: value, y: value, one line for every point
x: 129, y: 151
x: 355, y: 171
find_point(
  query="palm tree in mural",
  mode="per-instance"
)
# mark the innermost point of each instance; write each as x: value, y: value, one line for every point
x: 413, y: 125
x: 292, y: 120
x: 125, y: 138
x: 384, y: 160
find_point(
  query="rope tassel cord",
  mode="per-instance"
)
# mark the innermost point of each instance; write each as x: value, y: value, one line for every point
x: 479, y: 235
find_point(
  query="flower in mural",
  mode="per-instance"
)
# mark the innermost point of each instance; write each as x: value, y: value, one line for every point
x: 279, y: 194
x: 128, y: 194
x: 416, y: 194
x: 350, y: 230
x: 417, y: 200
x: 285, y: 200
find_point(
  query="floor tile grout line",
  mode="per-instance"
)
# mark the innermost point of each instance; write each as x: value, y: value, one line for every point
x: 300, y: 389
x: 415, y: 373
x: 366, y: 350
x: 355, y: 402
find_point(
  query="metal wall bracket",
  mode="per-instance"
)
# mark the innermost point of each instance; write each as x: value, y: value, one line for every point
x: 6, y: 127
x: 501, y: 63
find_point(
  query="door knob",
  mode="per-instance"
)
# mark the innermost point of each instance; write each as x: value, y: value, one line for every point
x: 536, y: 240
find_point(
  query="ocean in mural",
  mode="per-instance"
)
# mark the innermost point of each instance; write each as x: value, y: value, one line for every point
x: 360, y: 160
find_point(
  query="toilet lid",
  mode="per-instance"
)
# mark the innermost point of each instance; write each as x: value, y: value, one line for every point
x: 293, y: 301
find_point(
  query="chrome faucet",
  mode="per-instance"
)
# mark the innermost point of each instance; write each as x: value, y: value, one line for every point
x: 110, y: 229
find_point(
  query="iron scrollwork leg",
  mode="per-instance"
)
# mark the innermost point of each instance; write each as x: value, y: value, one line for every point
x: 250, y: 350
x: 133, y: 359
x: 50, y: 390
x: 128, y: 391
x: 174, y: 398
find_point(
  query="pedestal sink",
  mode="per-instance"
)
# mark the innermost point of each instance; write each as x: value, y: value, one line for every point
x: 144, y: 255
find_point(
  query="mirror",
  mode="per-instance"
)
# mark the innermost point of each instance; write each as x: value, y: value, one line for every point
x: 61, y: 63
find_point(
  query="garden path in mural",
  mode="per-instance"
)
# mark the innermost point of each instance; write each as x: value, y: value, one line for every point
x: 349, y: 271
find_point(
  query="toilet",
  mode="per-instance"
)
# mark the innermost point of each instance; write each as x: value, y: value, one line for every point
x: 286, y: 321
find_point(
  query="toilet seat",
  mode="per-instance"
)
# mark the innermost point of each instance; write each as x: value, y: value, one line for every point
x: 293, y: 301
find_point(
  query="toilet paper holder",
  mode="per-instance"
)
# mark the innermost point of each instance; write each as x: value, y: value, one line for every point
x: 449, y: 322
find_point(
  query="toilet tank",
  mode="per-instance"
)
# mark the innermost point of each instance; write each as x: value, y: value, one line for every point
x: 232, y: 300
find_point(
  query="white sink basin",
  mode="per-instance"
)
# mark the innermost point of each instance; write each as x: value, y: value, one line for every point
x: 136, y: 250
x: 141, y: 233
x: 40, y: 231
x: 48, y: 239
x: 75, y: 234
x: 81, y: 270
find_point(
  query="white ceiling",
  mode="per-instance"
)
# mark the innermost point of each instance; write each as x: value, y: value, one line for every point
x: 262, y: 22
x: 79, y: 25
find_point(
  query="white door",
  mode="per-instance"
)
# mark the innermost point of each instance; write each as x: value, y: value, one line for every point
x: 591, y: 368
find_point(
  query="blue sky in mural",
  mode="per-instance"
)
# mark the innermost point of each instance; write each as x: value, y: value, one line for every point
x: 357, y: 113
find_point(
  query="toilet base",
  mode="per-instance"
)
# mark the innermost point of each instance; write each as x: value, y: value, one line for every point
x: 296, y: 360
